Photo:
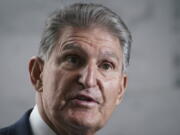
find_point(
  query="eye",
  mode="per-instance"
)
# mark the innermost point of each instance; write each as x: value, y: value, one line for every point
x: 106, y: 66
x: 73, y: 60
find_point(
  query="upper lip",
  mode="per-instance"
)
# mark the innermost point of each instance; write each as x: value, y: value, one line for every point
x: 87, y: 96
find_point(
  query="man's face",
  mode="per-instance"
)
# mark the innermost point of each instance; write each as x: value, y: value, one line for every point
x: 83, y: 79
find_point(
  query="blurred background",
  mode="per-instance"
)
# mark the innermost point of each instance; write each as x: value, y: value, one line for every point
x: 151, y: 105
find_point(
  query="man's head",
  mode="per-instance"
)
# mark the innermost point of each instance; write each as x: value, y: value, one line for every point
x: 80, y: 75
x: 84, y: 16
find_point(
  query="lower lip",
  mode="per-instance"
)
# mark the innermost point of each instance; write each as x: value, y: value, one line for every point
x: 83, y: 103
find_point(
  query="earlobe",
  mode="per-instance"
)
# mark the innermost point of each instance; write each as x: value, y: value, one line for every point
x: 35, y: 71
x: 122, y: 89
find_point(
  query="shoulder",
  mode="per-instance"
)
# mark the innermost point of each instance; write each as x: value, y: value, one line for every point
x: 5, y: 131
x: 21, y: 127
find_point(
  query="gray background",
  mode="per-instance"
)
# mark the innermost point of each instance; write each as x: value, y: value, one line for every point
x: 151, y: 105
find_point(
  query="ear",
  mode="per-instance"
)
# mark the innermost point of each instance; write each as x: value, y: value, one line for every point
x: 122, y: 88
x: 36, y: 65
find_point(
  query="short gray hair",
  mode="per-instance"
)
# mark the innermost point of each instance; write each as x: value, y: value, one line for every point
x: 84, y: 15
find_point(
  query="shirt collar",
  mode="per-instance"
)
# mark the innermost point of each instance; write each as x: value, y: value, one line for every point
x: 38, y: 125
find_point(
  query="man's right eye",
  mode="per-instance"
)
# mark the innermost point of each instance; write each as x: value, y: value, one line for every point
x: 73, y: 60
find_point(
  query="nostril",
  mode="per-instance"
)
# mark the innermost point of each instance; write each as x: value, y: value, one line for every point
x: 80, y: 82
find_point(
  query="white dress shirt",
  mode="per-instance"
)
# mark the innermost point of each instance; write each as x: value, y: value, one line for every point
x: 38, y: 125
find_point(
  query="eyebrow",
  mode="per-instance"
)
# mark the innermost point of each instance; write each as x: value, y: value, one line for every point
x: 71, y: 46
x: 74, y: 46
x: 109, y: 54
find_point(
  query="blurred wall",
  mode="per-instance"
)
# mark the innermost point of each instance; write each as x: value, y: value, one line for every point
x: 151, y: 104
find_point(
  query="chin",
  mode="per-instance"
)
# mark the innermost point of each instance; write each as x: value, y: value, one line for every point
x: 84, y: 120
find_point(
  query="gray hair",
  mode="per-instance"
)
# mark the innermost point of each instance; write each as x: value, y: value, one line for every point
x: 84, y: 15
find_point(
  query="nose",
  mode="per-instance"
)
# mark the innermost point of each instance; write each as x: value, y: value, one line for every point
x: 87, y: 76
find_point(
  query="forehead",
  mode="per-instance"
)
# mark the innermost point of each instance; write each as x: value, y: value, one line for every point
x: 96, y: 38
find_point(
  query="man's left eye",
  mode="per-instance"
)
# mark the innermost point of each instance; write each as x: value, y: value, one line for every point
x: 106, y: 66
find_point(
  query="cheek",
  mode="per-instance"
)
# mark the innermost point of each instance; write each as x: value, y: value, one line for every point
x: 111, y: 91
x: 53, y: 88
x: 111, y: 87
x: 56, y: 87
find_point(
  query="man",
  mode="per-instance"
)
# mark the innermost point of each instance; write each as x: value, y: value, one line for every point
x: 79, y: 74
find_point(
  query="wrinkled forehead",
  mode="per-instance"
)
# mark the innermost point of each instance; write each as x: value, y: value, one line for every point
x: 97, y: 38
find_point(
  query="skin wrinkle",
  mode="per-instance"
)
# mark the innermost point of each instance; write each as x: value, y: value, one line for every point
x: 69, y: 44
x: 59, y: 83
x: 55, y: 126
x: 105, y: 54
x: 90, y: 45
x: 82, y: 39
x: 72, y: 33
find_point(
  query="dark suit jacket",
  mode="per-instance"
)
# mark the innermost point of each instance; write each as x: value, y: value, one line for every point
x: 21, y: 127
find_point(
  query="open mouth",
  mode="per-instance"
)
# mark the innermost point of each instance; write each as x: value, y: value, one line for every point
x: 84, y: 100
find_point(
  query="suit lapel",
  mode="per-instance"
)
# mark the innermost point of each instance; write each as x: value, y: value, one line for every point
x: 22, y: 126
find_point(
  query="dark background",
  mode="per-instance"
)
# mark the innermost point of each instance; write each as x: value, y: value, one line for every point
x: 151, y: 105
